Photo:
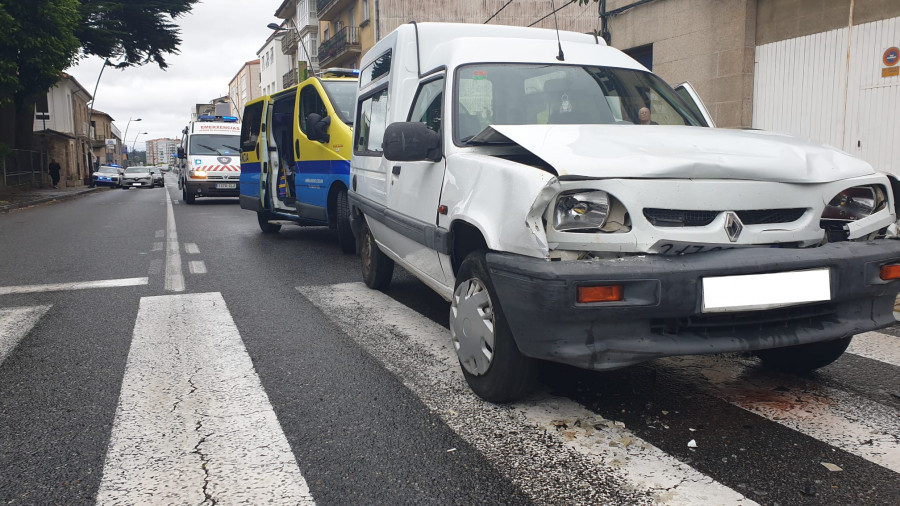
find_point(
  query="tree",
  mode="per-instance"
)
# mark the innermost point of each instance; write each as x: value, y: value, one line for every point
x: 41, y: 38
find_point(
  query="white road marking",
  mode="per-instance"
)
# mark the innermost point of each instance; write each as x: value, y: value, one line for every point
x: 77, y: 285
x: 157, y: 246
x: 876, y: 346
x: 193, y: 424
x: 197, y: 267
x: 15, y: 323
x: 174, y: 276
x: 160, y: 234
x: 191, y: 248
x: 854, y: 424
x: 523, y: 439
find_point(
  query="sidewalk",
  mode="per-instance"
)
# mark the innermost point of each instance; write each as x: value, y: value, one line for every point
x: 28, y: 198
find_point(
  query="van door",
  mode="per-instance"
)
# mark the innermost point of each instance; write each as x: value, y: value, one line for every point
x: 414, y: 188
x: 692, y: 100
x: 312, y: 152
x: 254, y: 156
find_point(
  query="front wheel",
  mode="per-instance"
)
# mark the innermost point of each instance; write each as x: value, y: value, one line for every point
x: 805, y: 357
x: 263, y: 218
x: 345, y: 233
x: 187, y: 196
x: 491, y: 362
x: 377, y: 268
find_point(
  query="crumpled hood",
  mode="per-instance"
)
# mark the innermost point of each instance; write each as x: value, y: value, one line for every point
x: 638, y: 151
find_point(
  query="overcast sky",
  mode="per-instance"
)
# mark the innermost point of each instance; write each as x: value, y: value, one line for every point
x: 218, y: 37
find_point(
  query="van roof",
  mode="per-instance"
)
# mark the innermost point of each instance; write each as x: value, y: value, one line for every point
x: 454, y: 44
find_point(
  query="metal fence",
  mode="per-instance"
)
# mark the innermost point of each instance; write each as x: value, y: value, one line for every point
x: 22, y: 169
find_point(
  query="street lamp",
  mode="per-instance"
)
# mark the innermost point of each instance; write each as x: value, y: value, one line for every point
x: 125, y: 137
x: 135, y: 140
x: 90, y: 150
x: 274, y: 26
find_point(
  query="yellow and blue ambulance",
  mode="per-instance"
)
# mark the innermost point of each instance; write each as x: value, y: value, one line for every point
x: 295, y: 155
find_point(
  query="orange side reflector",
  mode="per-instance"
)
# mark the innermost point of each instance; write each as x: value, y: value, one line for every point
x: 891, y: 271
x: 608, y: 293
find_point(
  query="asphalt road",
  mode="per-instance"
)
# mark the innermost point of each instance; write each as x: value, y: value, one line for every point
x: 138, y: 391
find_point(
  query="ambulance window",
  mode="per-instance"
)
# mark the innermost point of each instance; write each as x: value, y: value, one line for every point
x: 371, y: 121
x: 310, y: 102
x: 251, y: 123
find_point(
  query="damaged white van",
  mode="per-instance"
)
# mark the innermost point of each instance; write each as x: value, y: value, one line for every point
x: 574, y: 208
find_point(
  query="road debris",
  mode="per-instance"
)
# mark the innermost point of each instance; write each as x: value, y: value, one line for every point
x: 692, y: 444
x: 830, y: 466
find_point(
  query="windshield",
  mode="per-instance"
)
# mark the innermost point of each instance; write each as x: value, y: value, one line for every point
x: 518, y: 94
x: 215, y: 144
x: 137, y: 170
x: 108, y: 170
x: 343, y: 98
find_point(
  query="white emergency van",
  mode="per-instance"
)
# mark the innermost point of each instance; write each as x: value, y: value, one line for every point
x: 209, y: 158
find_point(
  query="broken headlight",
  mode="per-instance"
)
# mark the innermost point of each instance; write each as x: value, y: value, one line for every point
x: 849, y: 205
x: 582, y: 211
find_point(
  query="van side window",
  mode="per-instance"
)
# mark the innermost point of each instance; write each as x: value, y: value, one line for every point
x: 371, y: 120
x: 376, y: 69
x: 250, y: 126
x: 427, y: 107
x: 310, y: 102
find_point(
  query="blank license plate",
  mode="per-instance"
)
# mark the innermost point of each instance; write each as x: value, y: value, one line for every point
x: 224, y: 186
x: 765, y: 291
x: 135, y: 184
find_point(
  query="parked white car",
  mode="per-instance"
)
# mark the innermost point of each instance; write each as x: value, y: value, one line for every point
x: 574, y: 208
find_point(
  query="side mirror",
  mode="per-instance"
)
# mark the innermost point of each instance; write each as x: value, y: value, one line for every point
x: 411, y: 142
x: 318, y: 127
x: 249, y: 144
x: 180, y: 152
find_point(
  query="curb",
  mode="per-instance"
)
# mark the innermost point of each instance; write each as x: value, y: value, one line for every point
x: 5, y: 208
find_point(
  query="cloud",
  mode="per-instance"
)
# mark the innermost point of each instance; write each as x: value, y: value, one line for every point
x: 218, y: 37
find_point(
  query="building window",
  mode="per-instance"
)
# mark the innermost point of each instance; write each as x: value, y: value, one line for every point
x: 643, y: 54
x: 365, y: 16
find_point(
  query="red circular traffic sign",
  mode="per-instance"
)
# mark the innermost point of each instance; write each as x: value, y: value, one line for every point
x: 891, y: 56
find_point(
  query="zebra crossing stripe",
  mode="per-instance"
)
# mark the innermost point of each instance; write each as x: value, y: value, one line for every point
x: 193, y: 424
x: 419, y: 353
x: 15, y: 323
x: 841, y: 419
x: 876, y: 346
x: 78, y: 285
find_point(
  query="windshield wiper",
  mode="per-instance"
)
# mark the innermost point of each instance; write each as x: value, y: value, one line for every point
x: 232, y: 148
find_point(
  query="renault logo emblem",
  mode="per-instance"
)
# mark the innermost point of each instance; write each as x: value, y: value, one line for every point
x: 733, y: 226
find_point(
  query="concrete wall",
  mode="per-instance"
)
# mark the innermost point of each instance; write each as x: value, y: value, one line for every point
x: 787, y: 19
x: 710, y: 43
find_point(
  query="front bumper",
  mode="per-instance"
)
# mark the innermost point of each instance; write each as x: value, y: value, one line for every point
x: 105, y: 182
x: 137, y: 184
x: 213, y: 189
x: 661, y: 315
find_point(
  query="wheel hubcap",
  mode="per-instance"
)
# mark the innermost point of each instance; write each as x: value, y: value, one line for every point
x: 472, y: 326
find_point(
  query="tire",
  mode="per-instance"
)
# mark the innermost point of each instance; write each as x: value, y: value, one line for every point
x: 188, y: 198
x: 377, y: 268
x: 263, y: 218
x: 805, y: 357
x: 345, y: 233
x: 491, y: 362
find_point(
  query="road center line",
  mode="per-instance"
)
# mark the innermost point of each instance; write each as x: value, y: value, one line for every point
x: 15, y: 323
x: 78, y: 285
x: 174, y: 276
x: 193, y: 424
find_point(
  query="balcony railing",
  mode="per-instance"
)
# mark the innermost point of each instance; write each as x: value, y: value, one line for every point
x: 289, y: 41
x: 346, y: 40
x: 289, y: 78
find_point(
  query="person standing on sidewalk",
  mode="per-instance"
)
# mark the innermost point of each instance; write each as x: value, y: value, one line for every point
x: 54, y: 169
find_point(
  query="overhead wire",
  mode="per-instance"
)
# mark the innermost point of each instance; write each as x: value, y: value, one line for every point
x: 498, y: 12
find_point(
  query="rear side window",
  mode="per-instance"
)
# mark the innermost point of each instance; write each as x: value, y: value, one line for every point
x: 250, y: 125
x: 370, y: 124
x: 376, y: 69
